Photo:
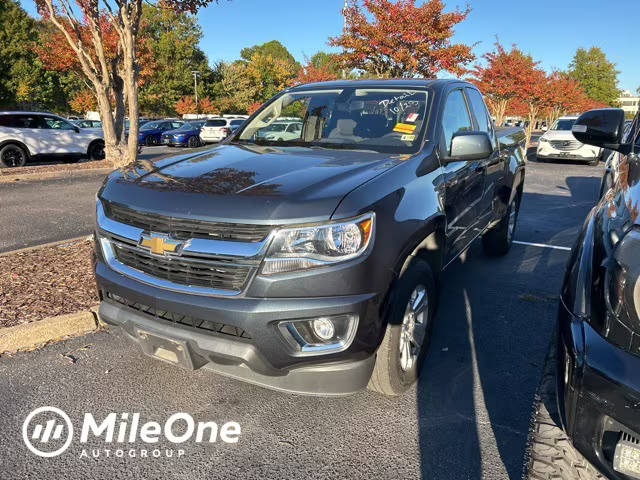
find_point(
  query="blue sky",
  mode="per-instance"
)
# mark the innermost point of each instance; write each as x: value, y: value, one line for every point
x: 550, y: 31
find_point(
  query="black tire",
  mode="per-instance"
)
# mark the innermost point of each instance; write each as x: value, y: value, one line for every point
x: 498, y: 240
x: 96, y: 150
x: 389, y: 377
x: 150, y: 141
x: 13, y: 155
x: 193, y: 142
x: 550, y: 454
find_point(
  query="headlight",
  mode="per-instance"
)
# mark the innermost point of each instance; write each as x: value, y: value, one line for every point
x: 542, y: 139
x: 319, y: 245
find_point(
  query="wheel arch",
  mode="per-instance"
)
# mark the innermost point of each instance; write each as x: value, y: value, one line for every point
x: 93, y: 142
x: 428, y: 244
x: 19, y: 143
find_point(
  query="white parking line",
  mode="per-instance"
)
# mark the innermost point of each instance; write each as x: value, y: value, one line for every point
x: 542, y: 245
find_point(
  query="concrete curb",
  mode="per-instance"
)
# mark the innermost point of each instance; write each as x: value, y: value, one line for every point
x: 34, y: 334
x: 7, y: 178
x: 44, y: 245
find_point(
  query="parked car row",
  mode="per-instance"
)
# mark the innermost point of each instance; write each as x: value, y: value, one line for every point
x: 29, y: 135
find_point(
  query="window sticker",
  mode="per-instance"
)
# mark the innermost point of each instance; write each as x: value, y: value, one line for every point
x: 404, y: 128
x: 407, y: 138
x: 412, y: 117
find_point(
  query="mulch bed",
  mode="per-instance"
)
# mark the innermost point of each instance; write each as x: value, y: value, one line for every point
x: 46, y: 282
x: 57, y: 167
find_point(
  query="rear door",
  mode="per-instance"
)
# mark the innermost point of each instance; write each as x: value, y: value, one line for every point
x: 62, y: 136
x: 463, y: 181
x: 493, y: 166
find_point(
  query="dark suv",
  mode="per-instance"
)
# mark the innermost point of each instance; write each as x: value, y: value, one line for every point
x: 309, y: 264
x: 598, y: 355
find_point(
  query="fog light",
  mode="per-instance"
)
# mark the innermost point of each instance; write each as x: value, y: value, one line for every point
x: 627, y: 456
x: 323, y: 328
x: 320, y: 335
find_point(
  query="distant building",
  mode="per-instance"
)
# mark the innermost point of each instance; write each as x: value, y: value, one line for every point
x: 629, y: 102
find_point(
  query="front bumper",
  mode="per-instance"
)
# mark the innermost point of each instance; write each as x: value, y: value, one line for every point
x: 259, y: 354
x: 584, y: 154
x: 173, y: 142
x: 598, y: 392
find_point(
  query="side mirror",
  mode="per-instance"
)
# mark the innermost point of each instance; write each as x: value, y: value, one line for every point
x: 602, y: 128
x: 467, y: 146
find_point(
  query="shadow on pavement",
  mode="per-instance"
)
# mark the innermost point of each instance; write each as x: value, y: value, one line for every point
x: 494, y: 323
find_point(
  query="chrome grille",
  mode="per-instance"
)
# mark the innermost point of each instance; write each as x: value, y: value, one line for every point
x: 565, y: 144
x: 184, y: 228
x: 185, y: 320
x: 214, y: 273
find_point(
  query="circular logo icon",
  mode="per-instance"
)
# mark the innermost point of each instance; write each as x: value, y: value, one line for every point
x: 47, y: 427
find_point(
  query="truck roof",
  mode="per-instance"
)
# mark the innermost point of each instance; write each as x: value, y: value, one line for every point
x: 386, y: 82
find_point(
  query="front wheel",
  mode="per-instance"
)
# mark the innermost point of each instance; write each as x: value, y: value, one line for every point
x: 408, y: 333
x: 498, y: 240
x: 193, y: 142
x: 12, y: 156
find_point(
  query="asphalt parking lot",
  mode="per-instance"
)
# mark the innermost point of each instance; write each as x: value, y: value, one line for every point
x: 467, y: 418
x: 40, y: 211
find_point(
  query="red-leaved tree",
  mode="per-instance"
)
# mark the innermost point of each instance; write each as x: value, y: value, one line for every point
x: 498, y: 79
x: 310, y: 74
x: 185, y: 105
x: 105, y: 38
x: 83, y: 101
x: 400, y: 39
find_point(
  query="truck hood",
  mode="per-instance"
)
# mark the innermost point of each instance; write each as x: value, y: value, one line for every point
x: 255, y: 184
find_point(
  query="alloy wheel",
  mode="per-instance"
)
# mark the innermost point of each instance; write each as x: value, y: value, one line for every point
x: 414, y: 327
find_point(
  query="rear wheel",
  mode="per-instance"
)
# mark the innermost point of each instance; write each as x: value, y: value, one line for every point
x: 12, y: 155
x: 408, y: 332
x: 498, y: 240
x: 96, y: 150
x: 150, y: 141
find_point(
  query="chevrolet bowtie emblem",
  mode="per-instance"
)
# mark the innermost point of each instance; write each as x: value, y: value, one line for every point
x: 159, y: 243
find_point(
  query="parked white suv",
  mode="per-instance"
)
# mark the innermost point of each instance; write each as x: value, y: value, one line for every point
x: 217, y: 129
x: 558, y: 143
x: 25, y: 135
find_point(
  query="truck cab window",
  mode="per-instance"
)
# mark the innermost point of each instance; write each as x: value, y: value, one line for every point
x: 482, y: 115
x: 455, y: 117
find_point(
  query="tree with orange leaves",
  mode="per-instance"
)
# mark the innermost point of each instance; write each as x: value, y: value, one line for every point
x: 105, y: 38
x: 310, y: 74
x: 402, y: 39
x: 185, y: 105
x: 498, y: 79
x: 83, y: 101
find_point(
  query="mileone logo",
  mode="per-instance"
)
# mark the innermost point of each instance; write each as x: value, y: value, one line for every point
x: 48, y: 432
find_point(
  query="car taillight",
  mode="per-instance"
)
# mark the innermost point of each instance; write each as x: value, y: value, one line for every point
x: 622, y: 293
x: 226, y: 131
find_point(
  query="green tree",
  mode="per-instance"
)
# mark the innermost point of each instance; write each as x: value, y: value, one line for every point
x: 235, y: 91
x: 327, y: 61
x: 273, y: 48
x: 596, y: 75
x: 24, y: 82
x: 173, y: 39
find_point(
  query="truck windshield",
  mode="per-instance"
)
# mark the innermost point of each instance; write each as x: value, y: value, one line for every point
x: 380, y: 119
x: 563, y: 124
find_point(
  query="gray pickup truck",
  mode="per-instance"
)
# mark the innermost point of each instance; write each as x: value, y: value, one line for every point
x: 309, y: 263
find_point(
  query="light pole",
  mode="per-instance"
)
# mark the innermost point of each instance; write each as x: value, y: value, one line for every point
x: 195, y: 85
x: 344, y: 30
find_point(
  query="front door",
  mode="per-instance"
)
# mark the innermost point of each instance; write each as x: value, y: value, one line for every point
x: 494, y: 165
x: 463, y: 181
